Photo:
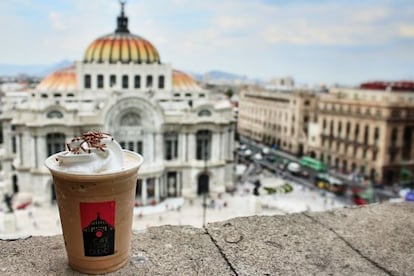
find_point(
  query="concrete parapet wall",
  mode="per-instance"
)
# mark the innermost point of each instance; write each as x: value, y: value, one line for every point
x: 371, y: 240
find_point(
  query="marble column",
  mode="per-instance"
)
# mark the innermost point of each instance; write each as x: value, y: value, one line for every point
x: 223, y: 147
x: 36, y: 152
x: 180, y: 183
x: 148, y: 147
x: 191, y: 147
x: 215, y: 147
x: 41, y: 149
x: 157, y: 189
x: 144, y: 191
x: 159, y: 147
x: 20, y: 147
x: 182, y: 137
x: 161, y: 186
x: 231, y: 144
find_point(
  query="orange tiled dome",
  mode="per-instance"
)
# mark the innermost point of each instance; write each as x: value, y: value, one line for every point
x: 63, y: 80
x: 121, y: 47
x: 182, y: 81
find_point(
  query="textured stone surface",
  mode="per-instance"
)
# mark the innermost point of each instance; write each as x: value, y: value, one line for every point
x: 163, y: 250
x: 286, y: 245
x: 373, y: 240
x: 382, y: 233
x: 176, y: 250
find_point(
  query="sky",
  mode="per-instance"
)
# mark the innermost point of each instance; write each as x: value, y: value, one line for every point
x: 313, y: 41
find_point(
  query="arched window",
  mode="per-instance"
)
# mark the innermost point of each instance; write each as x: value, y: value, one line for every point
x: 366, y: 135
x: 407, y: 142
x: 203, y: 144
x: 394, y: 135
x: 100, y: 81
x: 125, y: 81
x: 331, y: 128
x: 356, y: 132
x: 348, y: 130
x: 87, y: 81
x: 376, y: 136
x: 130, y: 119
x: 112, y: 80
x: 339, y: 129
x: 55, y: 142
x: 204, y: 113
x: 54, y: 114
x: 149, y: 81
x: 161, y: 82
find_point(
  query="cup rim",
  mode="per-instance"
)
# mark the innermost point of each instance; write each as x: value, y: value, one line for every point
x: 52, y: 158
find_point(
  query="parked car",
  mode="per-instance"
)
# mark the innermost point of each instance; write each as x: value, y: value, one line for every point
x: 265, y: 150
x: 257, y: 156
x: 294, y: 168
x: 271, y: 158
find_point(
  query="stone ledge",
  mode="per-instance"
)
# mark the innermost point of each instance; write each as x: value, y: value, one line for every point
x: 371, y: 240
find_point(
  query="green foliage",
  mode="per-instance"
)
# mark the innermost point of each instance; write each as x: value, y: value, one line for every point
x: 285, y: 188
x: 229, y: 93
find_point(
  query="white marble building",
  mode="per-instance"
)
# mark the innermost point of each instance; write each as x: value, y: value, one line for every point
x: 122, y: 87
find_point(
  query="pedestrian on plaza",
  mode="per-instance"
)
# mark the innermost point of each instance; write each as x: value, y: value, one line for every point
x: 8, y: 200
x: 256, y: 191
x: 212, y: 204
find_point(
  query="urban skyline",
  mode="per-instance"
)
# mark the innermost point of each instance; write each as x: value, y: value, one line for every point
x: 345, y: 42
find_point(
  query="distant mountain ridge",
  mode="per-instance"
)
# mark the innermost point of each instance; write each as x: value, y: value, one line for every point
x: 217, y: 75
x: 36, y: 70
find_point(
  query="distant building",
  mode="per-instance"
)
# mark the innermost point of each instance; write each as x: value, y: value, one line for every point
x: 122, y: 87
x: 285, y: 83
x: 367, y: 131
x: 276, y: 118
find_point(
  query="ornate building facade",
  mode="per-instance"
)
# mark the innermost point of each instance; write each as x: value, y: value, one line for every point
x: 367, y: 130
x: 276, y: 117
x: 122, y: 87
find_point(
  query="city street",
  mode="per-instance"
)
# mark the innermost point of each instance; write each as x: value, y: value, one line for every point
x: 278, y: 157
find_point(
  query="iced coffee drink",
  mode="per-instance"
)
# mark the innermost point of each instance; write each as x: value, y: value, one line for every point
x: 95, y: 181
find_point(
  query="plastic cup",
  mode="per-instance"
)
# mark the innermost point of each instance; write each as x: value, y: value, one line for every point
x: 96, y: 212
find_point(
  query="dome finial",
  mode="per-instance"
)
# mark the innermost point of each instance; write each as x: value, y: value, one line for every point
x: 122, y: 26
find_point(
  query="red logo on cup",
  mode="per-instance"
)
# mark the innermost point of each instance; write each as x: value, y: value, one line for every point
x: 98, y: 227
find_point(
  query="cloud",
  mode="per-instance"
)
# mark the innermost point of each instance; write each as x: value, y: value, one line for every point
x: 57, y: 20
x: 307, y: 23
x: 246, y: 36
x: 406, y: 31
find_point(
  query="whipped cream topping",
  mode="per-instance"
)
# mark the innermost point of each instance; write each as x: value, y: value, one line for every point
x: 94, y: 152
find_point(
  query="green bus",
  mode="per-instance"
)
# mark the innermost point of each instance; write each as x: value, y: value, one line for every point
x: 312, y: 163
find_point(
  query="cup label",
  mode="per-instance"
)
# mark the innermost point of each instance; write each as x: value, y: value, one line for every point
x: 98, y: 227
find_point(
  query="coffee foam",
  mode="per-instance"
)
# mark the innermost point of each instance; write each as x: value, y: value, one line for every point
x: 131, y: 160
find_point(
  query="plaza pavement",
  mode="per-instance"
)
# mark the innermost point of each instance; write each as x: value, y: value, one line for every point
x: 44, y: 221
